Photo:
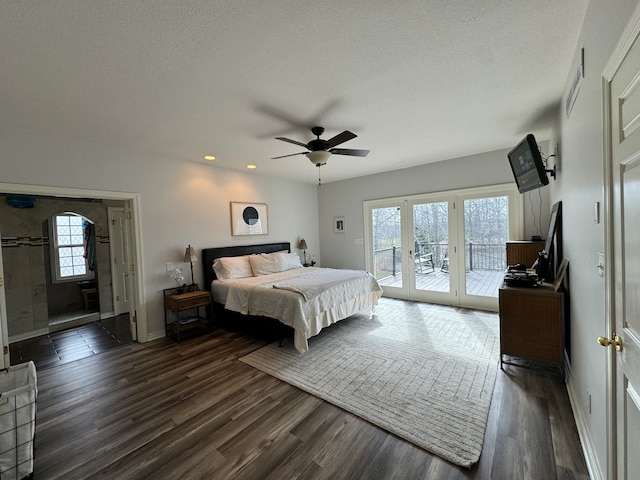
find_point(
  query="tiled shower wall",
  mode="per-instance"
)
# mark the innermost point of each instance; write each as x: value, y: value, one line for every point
x: 24, y: 240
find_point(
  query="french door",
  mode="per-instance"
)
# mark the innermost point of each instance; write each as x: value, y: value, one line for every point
x: 446, y: 248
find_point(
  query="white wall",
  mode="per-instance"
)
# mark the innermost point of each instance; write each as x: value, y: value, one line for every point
x: 181, y: 203
x: 346, y: 198
x: 579, y: 185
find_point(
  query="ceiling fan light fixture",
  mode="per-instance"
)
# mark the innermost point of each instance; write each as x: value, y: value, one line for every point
x: 319, y: 157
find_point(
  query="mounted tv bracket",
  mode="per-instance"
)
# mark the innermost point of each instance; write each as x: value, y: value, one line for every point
x: 556, y: 155
x: 552, y: 171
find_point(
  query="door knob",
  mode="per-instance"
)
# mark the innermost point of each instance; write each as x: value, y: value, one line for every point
x: 617, y: 341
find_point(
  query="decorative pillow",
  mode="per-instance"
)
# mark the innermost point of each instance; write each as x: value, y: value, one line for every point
x: 227, y: 268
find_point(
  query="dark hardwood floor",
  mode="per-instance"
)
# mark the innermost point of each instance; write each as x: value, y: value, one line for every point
x: 72, y: 344
x: 166, y: 410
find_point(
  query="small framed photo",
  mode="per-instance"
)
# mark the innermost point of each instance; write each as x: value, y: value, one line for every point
x: 249, y: 219
x: 338, y: 224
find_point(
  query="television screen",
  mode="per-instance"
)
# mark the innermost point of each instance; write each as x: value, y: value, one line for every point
x: 527, y: 165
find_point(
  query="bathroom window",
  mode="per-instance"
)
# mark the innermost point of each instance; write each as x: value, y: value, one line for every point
x: 68, y: 248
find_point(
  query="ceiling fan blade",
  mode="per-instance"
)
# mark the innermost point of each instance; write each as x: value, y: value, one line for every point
x: 349, y: 151
x: 340, y: 138
x: 295, y: 142
x: 290, y: 155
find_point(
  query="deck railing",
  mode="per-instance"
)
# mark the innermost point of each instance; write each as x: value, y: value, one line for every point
x: 478, y: 256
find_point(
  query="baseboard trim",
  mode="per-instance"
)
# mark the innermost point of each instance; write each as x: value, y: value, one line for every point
x: 154, y: 336
x: 595, y: 470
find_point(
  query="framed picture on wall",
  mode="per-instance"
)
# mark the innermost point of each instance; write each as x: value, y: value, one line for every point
x: 338, y: 224
x: 249, y: 219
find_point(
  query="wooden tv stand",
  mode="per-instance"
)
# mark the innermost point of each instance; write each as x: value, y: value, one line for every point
x: 532, y: 323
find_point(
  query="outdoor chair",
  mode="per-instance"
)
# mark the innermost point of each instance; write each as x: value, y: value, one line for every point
x: 423, y: 259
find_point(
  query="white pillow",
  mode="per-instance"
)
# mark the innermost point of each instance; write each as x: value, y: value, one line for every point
x: 265, y: 263
x: 290, y: 261
x: 227, y: 268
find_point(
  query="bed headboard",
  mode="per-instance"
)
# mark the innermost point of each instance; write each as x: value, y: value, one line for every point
x: 210, y: 254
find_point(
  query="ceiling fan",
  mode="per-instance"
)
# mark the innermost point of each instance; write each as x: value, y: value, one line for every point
x: 320, y: 150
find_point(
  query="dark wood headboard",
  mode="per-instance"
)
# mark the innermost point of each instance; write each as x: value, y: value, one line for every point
x: 210, y: 254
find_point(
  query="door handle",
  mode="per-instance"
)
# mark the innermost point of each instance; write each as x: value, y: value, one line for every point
x: 617, y: 342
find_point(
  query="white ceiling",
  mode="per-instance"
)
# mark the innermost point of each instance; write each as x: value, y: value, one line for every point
x: 417, y: 80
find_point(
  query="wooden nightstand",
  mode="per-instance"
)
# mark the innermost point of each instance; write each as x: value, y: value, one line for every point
x: 182, y: 311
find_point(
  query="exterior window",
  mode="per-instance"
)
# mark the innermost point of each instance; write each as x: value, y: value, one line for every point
x: 68, y: 253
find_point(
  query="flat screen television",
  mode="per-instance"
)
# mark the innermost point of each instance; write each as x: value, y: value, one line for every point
x: 527, y: 165
x: 550, y: 258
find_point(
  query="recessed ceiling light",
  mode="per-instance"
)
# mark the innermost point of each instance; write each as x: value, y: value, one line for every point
x: 251, y: 166
x: 209, y: 157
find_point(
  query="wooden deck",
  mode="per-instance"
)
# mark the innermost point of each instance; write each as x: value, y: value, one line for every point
x: 479, y: 282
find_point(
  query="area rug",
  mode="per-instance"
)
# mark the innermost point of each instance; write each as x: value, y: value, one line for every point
x: 423, y: 373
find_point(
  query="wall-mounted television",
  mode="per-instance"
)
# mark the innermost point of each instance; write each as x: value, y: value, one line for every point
x: 527, y: 165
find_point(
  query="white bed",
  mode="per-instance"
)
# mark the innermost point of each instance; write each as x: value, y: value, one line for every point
x: 307, y: 299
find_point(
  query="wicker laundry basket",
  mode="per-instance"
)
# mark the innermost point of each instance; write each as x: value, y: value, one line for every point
x: 18, y: 391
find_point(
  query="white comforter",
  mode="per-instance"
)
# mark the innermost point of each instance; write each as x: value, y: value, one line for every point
x: 332, y: 295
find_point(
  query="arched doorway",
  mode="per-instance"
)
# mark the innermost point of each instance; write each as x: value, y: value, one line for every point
x: 71, y: 270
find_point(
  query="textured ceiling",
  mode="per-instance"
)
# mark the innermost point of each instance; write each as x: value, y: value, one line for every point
x: 417, y: 80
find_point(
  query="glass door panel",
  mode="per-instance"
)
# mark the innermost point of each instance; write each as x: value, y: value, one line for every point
x: 386, y: 235
x: 486, y: 231
x: 431, y: 246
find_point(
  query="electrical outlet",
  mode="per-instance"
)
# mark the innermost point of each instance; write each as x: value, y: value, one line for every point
x: 169, y: 266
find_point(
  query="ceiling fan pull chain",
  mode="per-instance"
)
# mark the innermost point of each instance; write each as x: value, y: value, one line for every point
x: 319, y: 182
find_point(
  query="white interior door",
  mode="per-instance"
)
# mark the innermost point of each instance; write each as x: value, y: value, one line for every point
x: 4, y: 337
x: 119, y: 260
x: 622, y: 137
x: 122, y: 264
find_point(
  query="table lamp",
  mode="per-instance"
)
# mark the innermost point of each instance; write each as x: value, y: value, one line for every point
x: 303, y: 246
x: 190, y: 256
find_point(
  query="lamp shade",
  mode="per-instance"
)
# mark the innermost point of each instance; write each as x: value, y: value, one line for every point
x: 303, y: 244
x: 190, y: 255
